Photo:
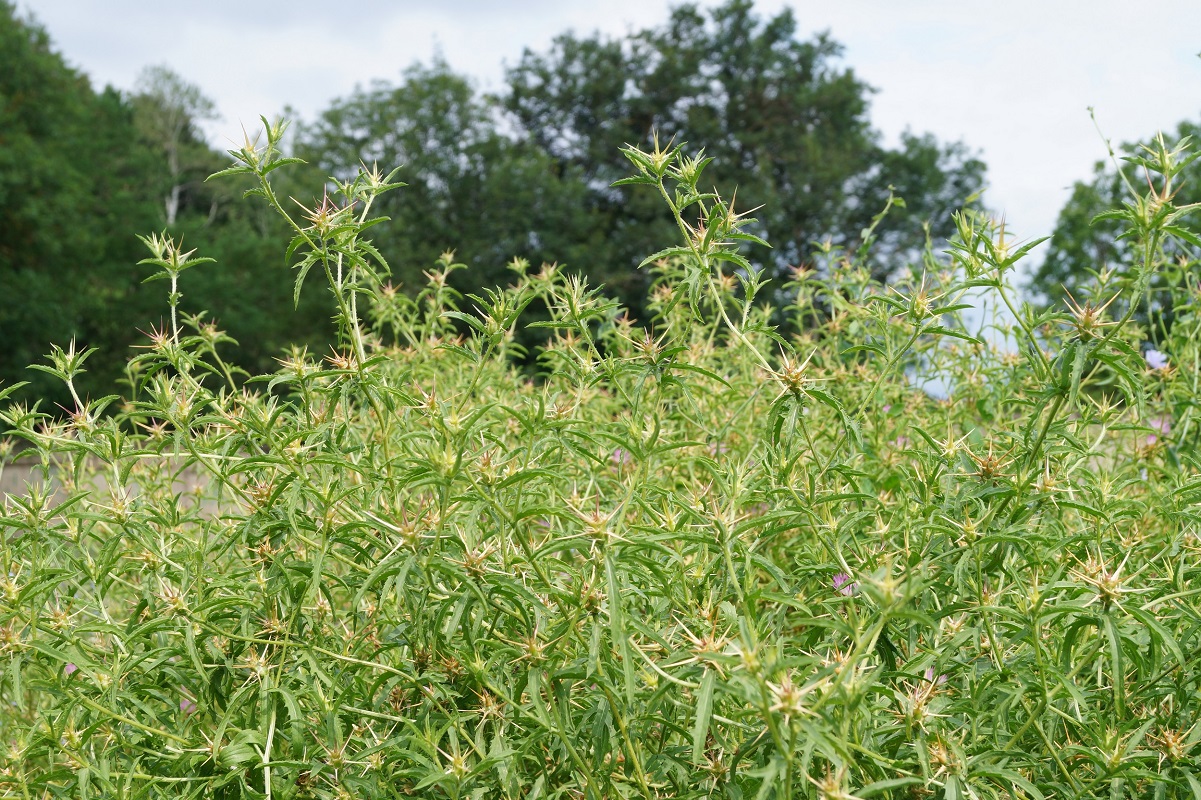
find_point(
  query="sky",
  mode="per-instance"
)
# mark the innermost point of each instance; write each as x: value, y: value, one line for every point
x: 1013, y: 80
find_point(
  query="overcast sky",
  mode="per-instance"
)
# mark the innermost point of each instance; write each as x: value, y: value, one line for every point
x: 1013, y: 80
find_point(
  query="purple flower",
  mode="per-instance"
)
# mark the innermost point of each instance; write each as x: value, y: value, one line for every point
x: 1163, y: 426
x: 70, y: 669
x: 930, y: 677
x: 843, y: 584
x: 1156, y: 359
x: 621, y: 457
x: 887, y: 408
x: 187, y: 706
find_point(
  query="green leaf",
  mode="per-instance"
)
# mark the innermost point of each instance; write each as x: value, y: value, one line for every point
x: 1116, y: 665
x: 704, y: 712
x: 670, y: 252
x: 474, y: 322
x: 879, y: 787
x: 637, y: 180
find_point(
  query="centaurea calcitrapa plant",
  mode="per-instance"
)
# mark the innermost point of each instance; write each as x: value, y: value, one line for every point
x: 691, y: 557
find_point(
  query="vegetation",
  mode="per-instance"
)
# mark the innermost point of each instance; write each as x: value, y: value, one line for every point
x: 531, y: 171
x: 80, y: 174
x: 1087, y: 246
x: 68, y: 183
x: 688, y: 517
x: 488, y: 177
x: 692, y: 558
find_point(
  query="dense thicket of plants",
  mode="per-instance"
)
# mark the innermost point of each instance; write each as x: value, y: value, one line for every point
x: 692, y: 558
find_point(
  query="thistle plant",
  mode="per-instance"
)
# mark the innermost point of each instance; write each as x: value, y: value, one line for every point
x: 692, y: 556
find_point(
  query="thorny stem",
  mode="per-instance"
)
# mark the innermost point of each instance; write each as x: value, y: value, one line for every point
x: 702, y: 260
x: 174, y: 302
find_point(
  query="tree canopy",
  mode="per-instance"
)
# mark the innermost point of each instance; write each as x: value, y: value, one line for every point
x: 469, y: 187
x: 82, y: 173
x: 526, y: 173
x: 786, y: 122
x: 167, y: 110
x: 70, y: 180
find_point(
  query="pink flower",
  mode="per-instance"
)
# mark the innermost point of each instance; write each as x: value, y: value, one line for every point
x: 843, y: 584
x: 930, y: 677
x: 1161, y: 424
x: 70, y: 669
x: 187, y: 706
x: 621, y: 457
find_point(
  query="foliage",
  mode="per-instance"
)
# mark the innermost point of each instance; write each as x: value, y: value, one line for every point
x: 68, y: 181
x: 80, y: 171
x: 468, y: 186
x: 1086, y: 247
x: 529, y: 173
x: 694, y: 559
x: 168, y: 110
x: 526, y: 174
x: 786, y: 124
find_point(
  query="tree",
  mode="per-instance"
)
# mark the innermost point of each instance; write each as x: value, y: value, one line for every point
x: 81, y: 174
x: 71, y: 196
x: 529, y: 172
x: 469, y: 188
x: 786, y: 124
x: 1083, y: 247
x: 168, y: 111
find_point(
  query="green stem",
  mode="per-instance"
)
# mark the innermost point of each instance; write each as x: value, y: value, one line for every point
x: 133, y: 723
x: 1042, y: 357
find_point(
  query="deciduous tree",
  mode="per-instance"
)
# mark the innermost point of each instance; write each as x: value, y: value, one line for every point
x: 1083, y: 247
x: 785, y: 120
x: 169, y: 111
